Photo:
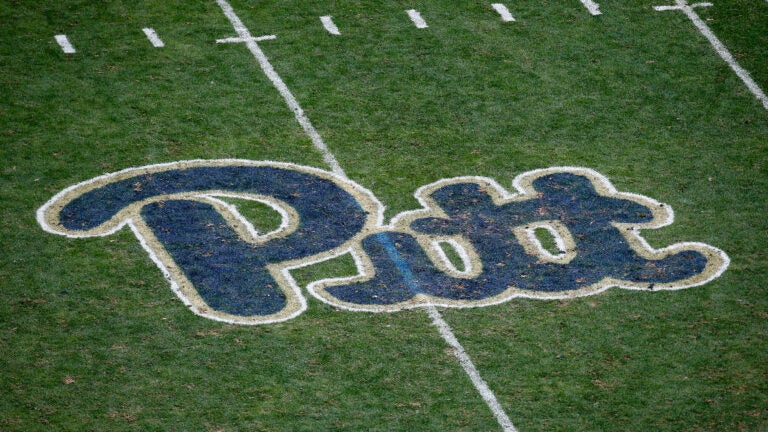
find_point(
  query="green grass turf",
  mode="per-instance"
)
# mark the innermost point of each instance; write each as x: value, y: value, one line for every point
x: 92, y: 338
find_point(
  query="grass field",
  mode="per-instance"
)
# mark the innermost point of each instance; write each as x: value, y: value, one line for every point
x: 92, y: 337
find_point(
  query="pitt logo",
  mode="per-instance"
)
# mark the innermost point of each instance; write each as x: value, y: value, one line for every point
x: 565, y: 232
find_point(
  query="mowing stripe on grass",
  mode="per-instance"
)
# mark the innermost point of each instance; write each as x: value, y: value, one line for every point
x: 153, y: 38
x: 444, y: 329
x: 64, y: 44
x: 329, y: 25
x: 503, y: 11
x: 415, y: 16
x: 718, y: 46
x: 592, y: 7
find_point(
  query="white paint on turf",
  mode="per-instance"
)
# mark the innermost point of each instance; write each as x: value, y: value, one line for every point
x: 506, y: 16
x: 718, y: 46
x: 64, y: 44
x: 480, y: 385
x: 330, y: 159
x: 416, y: 18
x: 240, y: 40
x: 252, y: 45
x: 592, y: 7
x: 680, y: 7
x: 153, y: 37
x: 327, y: 21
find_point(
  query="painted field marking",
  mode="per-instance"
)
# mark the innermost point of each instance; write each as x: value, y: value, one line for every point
x: 327, y: 21
x: 503, y: 11
x: 415, y: 16
x: 718, y: 46
x: 153, y: 37
x: 244, y: 36
x: 249, y: 38
x: 469, y: 368
x: 64, y: 44
x: 437, y: 320
x: 592, y: 7
x: 680, y: 7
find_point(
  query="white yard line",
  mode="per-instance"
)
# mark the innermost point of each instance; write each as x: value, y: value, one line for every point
x: 153, y: 37
x: 415, y: 16
x: 64, y: 44
x: 329, y: 25
x: 266, y: 66
x: 443, y: 328
x: 506, y: 16
x: 480, y: 385
x: 718, y: 46
x: 592, y: 7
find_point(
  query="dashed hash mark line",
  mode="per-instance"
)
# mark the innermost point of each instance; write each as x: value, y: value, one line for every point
x: 592, y: 7
x: 65, y: 45
x: 332, y: 28
x: 503, y: 11
x: 329, y: 25
x: 416, y: 18
x: 153, y: 37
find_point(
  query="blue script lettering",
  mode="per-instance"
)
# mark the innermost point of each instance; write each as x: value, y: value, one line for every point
x: 221, y: 271
x: 224, y: 270
x: 602, y: 251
